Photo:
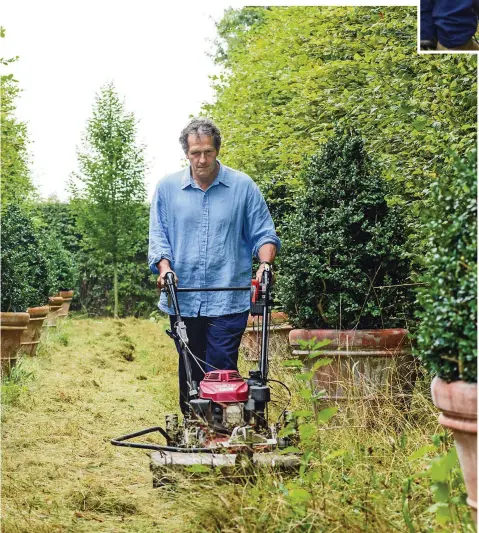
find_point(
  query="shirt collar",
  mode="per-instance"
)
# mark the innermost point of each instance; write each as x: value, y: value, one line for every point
x: 222, y: 177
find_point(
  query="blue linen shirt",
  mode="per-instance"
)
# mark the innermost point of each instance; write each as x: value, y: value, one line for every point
x: 209, y: 238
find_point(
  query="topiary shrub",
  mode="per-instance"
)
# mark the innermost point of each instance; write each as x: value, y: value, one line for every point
x: 342, y: 243
x: 25, y: 275
x: 447, y: 333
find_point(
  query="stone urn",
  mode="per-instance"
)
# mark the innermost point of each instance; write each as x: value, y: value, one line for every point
x: 67, y: 300
x: 457, y: 402
x: 31, y: 336
x: 278, y: 339
x: 12, y: 325
x: 55, y: 304
x: 366, y: 364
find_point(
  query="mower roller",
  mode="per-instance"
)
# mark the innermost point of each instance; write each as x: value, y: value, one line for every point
x: 226, y: 423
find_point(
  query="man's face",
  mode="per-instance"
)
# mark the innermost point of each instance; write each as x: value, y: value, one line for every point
x: 202, y: 156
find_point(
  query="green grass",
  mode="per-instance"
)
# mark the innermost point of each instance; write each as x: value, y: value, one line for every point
x: 60, y: 472
x: 96, y: 379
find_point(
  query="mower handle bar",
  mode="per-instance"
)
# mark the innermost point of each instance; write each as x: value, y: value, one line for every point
x: 207, y: 289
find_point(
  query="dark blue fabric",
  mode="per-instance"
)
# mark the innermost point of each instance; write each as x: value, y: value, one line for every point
x: 215, y: 340
x: 428, y: 29
x: 451, y: 22
x: 223, y: 338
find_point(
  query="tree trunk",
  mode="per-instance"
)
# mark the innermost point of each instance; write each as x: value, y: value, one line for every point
x: 115, y: 288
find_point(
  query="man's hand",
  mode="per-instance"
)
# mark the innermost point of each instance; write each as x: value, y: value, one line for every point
x: 259, y: 272
x: 164, y: 267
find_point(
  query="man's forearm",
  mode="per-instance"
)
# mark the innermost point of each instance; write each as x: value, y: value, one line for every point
x: 267, y: 252
x: 164, y: 264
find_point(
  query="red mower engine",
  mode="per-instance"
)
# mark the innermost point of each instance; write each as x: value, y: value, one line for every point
x: 224, y: 386
x: 227, y: 400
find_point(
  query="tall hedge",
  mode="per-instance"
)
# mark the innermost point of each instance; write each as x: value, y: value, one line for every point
x: 290, y: 73
x: 447, y: 335
x: 342, y: 262
x: 24, y: 263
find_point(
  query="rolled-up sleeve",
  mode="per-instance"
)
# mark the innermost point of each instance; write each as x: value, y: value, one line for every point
x: 259, y: 224
x: 159, y: 245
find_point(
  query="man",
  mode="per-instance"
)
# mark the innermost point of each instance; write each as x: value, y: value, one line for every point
x: 449, y: 25
x: 206, y: 221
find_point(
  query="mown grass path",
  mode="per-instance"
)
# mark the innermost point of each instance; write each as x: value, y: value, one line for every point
x: 93, y: 380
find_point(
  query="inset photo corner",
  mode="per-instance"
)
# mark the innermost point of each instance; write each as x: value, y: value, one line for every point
x: 448, y: 26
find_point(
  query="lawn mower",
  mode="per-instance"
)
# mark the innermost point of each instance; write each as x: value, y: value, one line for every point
x: 226, y: 424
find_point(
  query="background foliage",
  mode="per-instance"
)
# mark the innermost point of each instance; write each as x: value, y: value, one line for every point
x: 93, y: 282
x: 291, y: 73
x: 447, y: 335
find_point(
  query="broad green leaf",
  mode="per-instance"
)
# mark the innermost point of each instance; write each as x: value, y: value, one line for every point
x: 442, y: 511
x: 305, y: 376
x: 320, y: 363
x: 441, y: 467
x: 299, y: 495
x: 440, y: 492
x: 292, y: 363
x: 421, y: 452
x: 303, y: 413
x: 325, y: 414
x: 306, y: 394
x: 290, y: 449
x: 286, y: 431
x: 306, y: 431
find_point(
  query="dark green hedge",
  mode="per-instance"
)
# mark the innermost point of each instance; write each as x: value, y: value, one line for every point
x: 341, y: 242
x: 24, y: 262
x: 447, y: 333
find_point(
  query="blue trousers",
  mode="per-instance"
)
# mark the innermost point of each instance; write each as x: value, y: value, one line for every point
x: 451, y: 22
x: 214, y: 340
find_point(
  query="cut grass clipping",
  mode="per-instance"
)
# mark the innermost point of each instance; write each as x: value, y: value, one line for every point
x: 96, y: 379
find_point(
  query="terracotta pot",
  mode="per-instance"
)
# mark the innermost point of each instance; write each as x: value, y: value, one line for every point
x: 12, y: 325
x: 55, y: 304
x: 277, y: 317
x: 67, y: 300
x: 367, y: 364
x: 279, y: 331
x: 458, y: 403
x: 31, y: 336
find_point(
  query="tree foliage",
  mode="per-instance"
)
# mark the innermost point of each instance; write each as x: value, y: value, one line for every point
x: 342, y: 242
x: 16, y: 184
x: 447, y: 335
x: 292, y: 73
x: 93, y: 284
x: 109, y: 191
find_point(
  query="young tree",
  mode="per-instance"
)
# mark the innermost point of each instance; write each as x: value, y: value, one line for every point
x: 109, y: 192
x: 16, y: 184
